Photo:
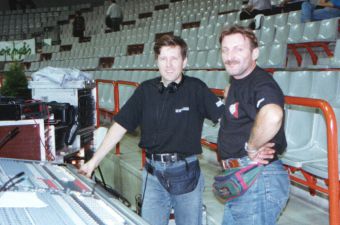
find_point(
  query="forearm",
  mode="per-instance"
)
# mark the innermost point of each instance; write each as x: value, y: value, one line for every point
x: 267, y: 123
x: 226, y: 90
x: 113, y: 136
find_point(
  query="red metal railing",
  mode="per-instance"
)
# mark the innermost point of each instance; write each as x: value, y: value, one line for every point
x: 117, y: 103
x: 98, y: 109
x: 115, y: 94
x: 332, y: 149
x: 309, y: 47
x: 116, y: 91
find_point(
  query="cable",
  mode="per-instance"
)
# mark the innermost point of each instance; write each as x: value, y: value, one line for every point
x: 10, y: 135
x: 14, y: 183
x: 93, y: 188
x: 4, y: 187
x: 114, y: 193
x: 49, y: 154
x: 142, y: 200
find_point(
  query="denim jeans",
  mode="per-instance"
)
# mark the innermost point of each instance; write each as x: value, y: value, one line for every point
x: 263, y: 202
x: 309, y: 13
x: 158, y: 202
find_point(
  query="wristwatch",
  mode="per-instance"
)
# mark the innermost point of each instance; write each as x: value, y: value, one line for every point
x: 247, y: 149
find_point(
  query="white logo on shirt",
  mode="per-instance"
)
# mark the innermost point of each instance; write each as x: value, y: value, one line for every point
x: 219, y: 103
x: 233, y: 109
x: 259, y: 102
x: 182, y: 109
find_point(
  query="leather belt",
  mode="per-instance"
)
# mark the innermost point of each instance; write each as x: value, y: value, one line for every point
x: 165, y: 157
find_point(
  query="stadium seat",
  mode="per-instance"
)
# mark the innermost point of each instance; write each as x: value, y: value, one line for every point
x: 325, y: 86
x: 313, y: 148
x: 201, y: 59
x: 263, y: 55
x: 281, y: 34
x: 294, y: 17
x: 320, y: 168
x: 268, y: 21
x: 277, y: 56
x: 280, y: 19
x: 328, y: 30
x: 267, y: 35
x: 295, y: 32
x: 283, y: 79
x: 310, y: 31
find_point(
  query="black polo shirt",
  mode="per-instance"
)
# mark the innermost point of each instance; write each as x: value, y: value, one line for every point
x: 245, y: 98
x: 170, y: 122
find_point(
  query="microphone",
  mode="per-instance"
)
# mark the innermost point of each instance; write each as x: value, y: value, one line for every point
x: 11, y: 181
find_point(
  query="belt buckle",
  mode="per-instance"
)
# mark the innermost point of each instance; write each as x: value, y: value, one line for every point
x: 168, y: 157
x: 230, y: 163
x: 173, y: 157
x: 163, y: 159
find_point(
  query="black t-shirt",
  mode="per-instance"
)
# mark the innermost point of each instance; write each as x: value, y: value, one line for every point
x: 245, y: 98
x: 170, y: 122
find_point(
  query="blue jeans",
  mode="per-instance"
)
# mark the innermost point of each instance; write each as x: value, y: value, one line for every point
x: 263, y: 202
x: 158, y: 202
x: 309, y: 13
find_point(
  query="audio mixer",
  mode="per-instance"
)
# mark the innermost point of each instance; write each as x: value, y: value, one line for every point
x: 40, y: 193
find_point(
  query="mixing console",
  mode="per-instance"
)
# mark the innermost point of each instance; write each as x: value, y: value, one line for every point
x: 40, y: 193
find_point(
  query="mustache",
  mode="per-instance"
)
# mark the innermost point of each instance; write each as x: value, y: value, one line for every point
x: 231, y: 62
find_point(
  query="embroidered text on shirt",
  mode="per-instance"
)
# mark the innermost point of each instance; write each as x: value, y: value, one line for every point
x: 219, y: 103
x: 182, y: 109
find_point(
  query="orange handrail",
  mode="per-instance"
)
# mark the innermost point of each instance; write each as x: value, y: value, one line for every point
x: 116, y: 100
x: 97, y: 97
x: 218, y: 92
x: 116, y: 91
x: 332, y: 148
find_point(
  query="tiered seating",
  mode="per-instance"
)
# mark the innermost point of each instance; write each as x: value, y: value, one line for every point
x: 18, y: 25
x: 302, y: 38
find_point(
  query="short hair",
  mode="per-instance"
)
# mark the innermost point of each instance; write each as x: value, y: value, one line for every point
x: 245, y: 32
x: 170, y: 40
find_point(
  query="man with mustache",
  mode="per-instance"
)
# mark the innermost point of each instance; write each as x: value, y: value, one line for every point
x: 252, y: 122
